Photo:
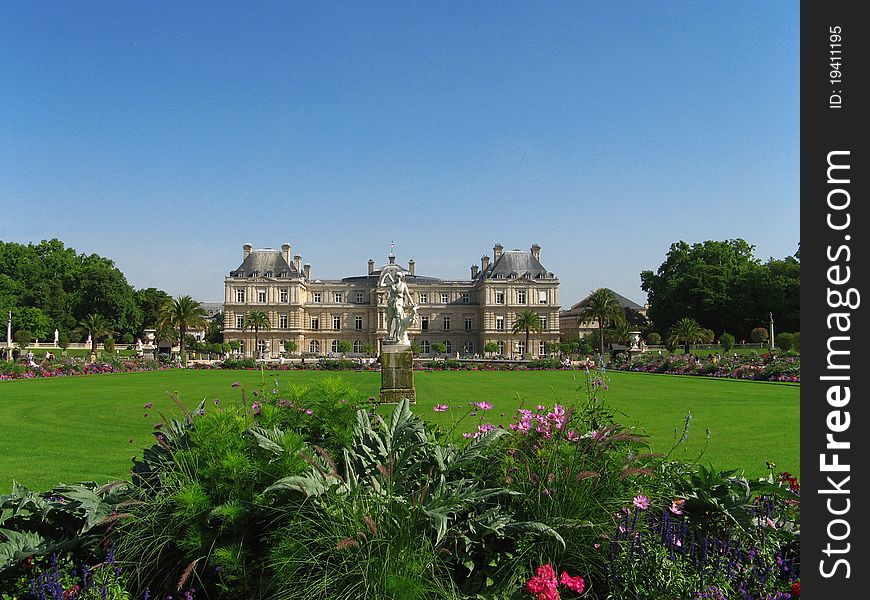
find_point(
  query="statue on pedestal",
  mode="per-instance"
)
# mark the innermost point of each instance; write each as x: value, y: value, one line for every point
x: 401, y: 309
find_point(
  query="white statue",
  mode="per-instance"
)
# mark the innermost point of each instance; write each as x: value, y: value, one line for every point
x: 401, y: 309
x: 88, y: 342
x: 56, y: 336
x: 138, y: 343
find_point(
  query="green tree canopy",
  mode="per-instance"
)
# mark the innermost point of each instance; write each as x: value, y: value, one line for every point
x: 603, y: 307
x: 527, y: 321
x: 721, y: 284
x: 182, y: 313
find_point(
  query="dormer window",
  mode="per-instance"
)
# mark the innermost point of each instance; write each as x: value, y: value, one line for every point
x: 268, y: 274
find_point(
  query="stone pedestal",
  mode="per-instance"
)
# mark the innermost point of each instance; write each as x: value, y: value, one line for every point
x: 397, y: 374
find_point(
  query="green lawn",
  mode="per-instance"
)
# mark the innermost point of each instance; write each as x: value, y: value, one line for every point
x: 88, y: 428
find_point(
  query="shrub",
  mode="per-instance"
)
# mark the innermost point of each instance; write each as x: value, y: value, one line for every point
x: 759, y: 335
x: 63, y: 340
x: 785, y: 341
x: 23, y: 337
x: 654, y: 338
x: 797, y: 341
x: 726, y: 340
x: 290, y: 346
x: 127, y: 338
x: 109, y: 345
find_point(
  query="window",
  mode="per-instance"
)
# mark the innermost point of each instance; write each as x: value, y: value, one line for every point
x: 316, y: 297
x: 335, y: 346
x: 336, y: 323
x: 467, y: 323
x: 469, y: 347
x: 282, y: 321
x: 241, y: 346
x: 521, y: 348
x: 542, y: 296
x: 357, y: 347
x: 261, y: 295
x: 424, y: 298
x: 357, y: 322
x: 424, y: 323
x: 314, y: 347
x: 240, y: 295
x: 445, y: 298
x: 500, y: 347
x: 240, y: 321
x: 338, y: 297
x: 283, y: 295
x: 360, y: 298
x: 446, y: 323
x: 542, y: 349
x: 499, y: 297
x: 543, y: 322
x: 499, y: 323
x: 261, y: 347
x: 425, y: 347
x: 521, y: 296
x: 449, y: 347
x: 466, y: 297
x: 315, y: 322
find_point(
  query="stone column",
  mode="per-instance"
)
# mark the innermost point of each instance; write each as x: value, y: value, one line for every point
x: 397, y: 374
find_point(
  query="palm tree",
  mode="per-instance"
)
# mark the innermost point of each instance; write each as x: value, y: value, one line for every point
x: 602, y: 306
x: 527, y: 321
x: 182, y: 313
x: 96, y: 326
x: 687, y: 331
x: 256, y: 320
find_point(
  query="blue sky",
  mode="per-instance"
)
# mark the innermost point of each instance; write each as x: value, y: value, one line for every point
x: 165, y: 135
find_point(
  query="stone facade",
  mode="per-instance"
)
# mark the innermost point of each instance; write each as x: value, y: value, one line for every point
x: 319, y: 313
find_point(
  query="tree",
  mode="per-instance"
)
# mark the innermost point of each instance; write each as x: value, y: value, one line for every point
x: 490, y: 348
x: 255, y: 321
x: 686, y: 331
x: 416, y: 347
x: 654, y: 338
x: 290, y: 346
x: 785, y: 341
x: 150, y: 301
x: 603, y: 307
x: 527, y: 321
x: 759, y: 335
x: 23, y: 337
x: 344, y: 347
x: 182, y: 313
x: 96, y: 327
x: 726, y: 340
x: 109, y: 345
x: 439, y: 348
x: 369, y: 349
x: 63, y: 340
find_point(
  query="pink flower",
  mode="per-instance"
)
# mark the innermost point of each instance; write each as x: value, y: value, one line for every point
x: 483, y: 405
x: 677, y: 506
x: 440, y: 407
x: 641, y: 501
x: 236, y: 384
x: 573, y: 436
x: 256, y: 408
x: 541, y: 407
x: 149, y: 405
x: 770, y: 523
x: 576, y: 584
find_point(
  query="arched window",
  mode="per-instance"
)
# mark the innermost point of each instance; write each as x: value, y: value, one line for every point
x: 521, y: 348
x: 425, y: 347
x: 357, y: 347
x: 314, y: 347
x: 469, y: 347
x: 334, y: 346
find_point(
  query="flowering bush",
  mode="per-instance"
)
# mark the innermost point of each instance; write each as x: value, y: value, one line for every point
x: 69, y: 366
x: 763, y: 368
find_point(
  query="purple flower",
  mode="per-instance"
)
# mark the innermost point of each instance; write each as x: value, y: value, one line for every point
x: 216, y: 401
x: 440, y: 407
x: 236, y: 384
x: 256, y: 408
x: 641, y: 501
x: 483, y: 405
x: 148, y: 405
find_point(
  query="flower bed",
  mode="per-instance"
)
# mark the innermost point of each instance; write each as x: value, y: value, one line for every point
x: 72, y: 367
x: 761, y: 368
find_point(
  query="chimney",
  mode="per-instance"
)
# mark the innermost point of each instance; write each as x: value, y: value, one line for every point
x: 474, y: 271
x: 246, y: 251
x: 411, y: 265
x: 496, y: 252
x: 484, y: 263
x: 285, y: 252
x: 536, y: 252
x: 297, y: 262
x: 371, y: 266
x: 306, y: 271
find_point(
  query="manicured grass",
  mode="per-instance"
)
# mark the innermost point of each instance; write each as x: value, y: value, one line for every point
x: 89, y: 428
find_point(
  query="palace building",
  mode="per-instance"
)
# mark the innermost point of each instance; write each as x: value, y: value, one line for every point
x: 318, y: 314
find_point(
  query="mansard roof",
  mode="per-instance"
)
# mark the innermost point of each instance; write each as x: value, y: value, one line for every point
x: 513, y: 264
x: 265, y: 263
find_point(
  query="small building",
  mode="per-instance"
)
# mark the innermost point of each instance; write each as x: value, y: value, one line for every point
x: 572, y: 325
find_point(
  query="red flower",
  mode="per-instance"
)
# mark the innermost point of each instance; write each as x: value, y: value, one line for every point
x: 577, y: 584
x: 796, y: 589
